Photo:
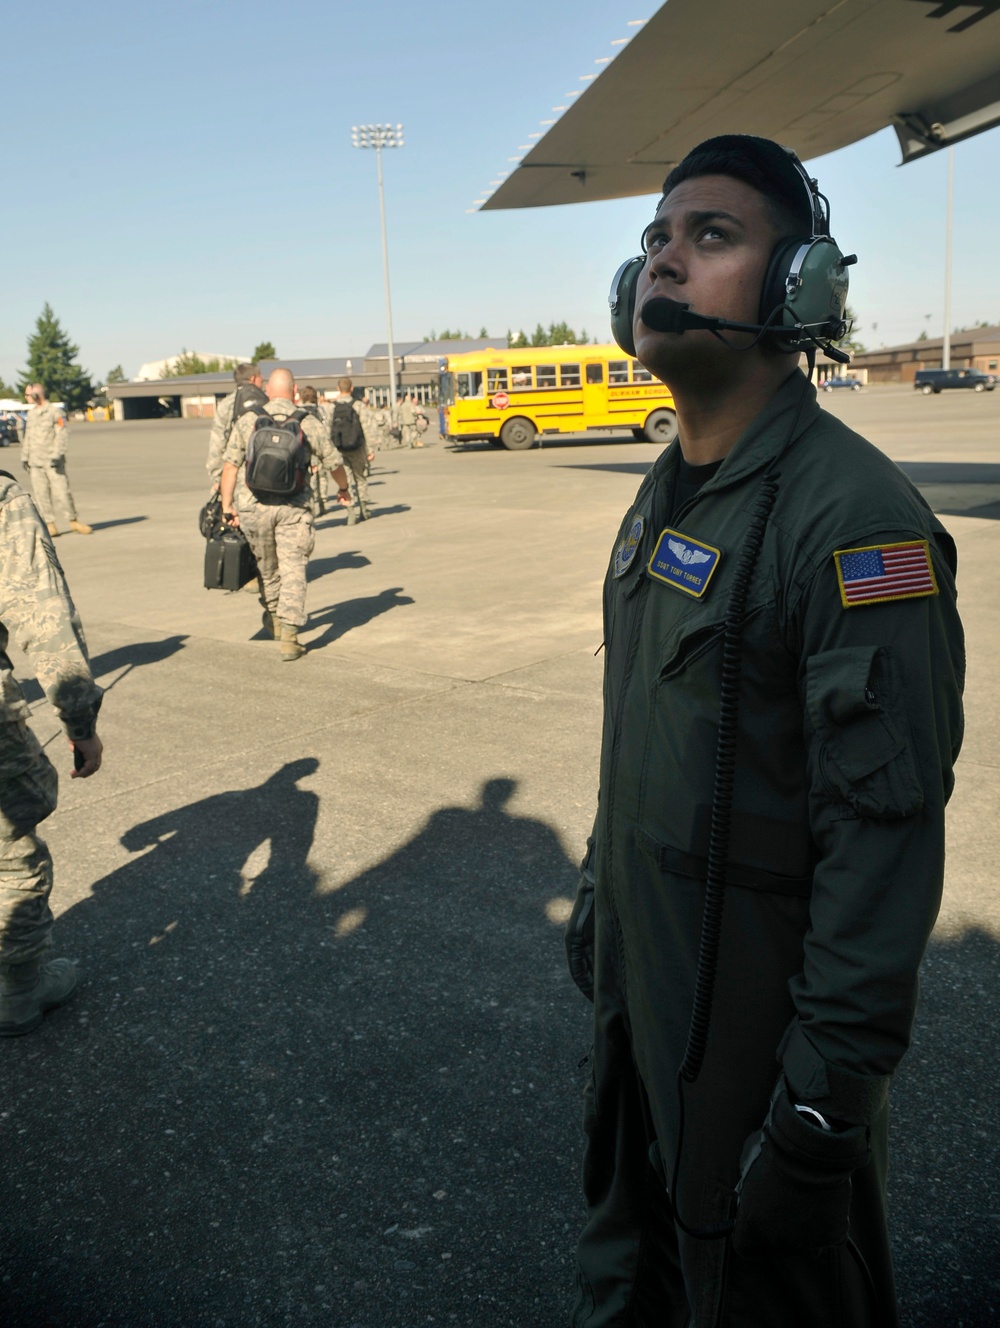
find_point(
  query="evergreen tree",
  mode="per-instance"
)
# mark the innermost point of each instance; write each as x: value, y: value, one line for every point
x: 9, y: 393
x: 265, y: 351
x: 483, y: 332
x: 851, y: 342
x: 52, y: 362
x: 116, y: 375
x: 190, y: 362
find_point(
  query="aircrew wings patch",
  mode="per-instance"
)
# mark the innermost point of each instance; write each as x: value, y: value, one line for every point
x: 883, y: 572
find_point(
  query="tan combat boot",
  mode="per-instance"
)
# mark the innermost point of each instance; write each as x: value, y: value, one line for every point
x: 53, y: 529
x: 28, y: 990
x: 272, y: 625
x: 81, y: 528
x: 291, y: 646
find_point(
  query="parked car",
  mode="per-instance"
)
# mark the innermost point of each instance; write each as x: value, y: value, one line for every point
x: 935, y: 380
x: 8, y: 430
x: 829, y: 384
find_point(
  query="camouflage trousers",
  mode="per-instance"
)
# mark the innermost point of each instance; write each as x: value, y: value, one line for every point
x: 281, y: 537
x: 51, y: 492
x: 356, y: 464
x: 410, y: 436
x: 28, y: 789
x: 319, y: 485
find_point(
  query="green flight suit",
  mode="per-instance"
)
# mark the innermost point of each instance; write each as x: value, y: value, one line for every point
x: 849, y: 725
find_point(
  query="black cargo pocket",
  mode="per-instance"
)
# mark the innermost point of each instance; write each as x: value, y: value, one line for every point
x: 860, y: 750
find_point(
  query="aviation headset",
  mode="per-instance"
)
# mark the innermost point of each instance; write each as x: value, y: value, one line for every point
x: 804, y: 292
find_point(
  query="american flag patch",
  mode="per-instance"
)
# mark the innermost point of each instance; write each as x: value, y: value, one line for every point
x: 885, y: 572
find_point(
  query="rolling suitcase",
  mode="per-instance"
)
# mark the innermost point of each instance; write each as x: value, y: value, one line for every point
x: 229, y: 561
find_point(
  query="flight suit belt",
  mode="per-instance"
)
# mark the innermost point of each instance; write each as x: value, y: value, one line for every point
x: 675, y: 860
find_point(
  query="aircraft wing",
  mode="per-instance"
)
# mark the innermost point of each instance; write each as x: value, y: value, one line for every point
x: 813, y: 74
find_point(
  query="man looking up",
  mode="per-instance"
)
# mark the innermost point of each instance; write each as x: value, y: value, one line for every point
x: 782, y: 709
x: 246, y: 376
x: 43, y: 455
x: 278, y: 529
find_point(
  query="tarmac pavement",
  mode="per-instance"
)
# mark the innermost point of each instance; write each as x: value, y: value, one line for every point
x: 324, y: 1064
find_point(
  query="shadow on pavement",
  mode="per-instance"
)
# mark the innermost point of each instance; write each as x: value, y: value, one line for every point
x: 944, y: 1164
x: 616, y: 467
x: 336, y: 562
x: 133, y: 656
x: 274, y: 1101
x: 122, y: 521
x: 344, y: 617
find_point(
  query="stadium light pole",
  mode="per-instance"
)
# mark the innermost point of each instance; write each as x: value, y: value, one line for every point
x: 946, y: 341
x: 379, y: 136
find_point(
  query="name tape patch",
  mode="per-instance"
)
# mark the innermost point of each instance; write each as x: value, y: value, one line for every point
x: 683, y: 562
x: 626, y: 551
x: 884, y: 572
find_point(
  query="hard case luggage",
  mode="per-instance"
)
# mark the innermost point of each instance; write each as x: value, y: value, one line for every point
x: 229, y: 561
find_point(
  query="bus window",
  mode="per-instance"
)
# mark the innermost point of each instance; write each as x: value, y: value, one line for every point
x: 446, y: 389
x: 639, y: 374
x: 496, y: 380
x: 520, y: 376
x: 470, y: 384
x: 595, y: 373
x: 569, y: 375
x: 617, y: 371
x: 545, y: 375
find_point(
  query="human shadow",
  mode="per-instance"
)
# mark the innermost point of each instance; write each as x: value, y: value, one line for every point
x: 973, y: 480
x: 344, y: 617
x: 121, y: 521
x: 349, y: 560
x: 335, y: 518
x: 135, y: 655
x: 279, y: 1098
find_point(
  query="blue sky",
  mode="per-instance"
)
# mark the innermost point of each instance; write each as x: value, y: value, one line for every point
x: 189, y: 181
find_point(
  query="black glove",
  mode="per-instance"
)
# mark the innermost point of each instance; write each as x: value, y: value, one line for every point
x: 795, y: 1188
x: 58, y: 464
x: 580, y: 937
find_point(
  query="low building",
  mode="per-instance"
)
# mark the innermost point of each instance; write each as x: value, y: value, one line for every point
x: 977, y: 348
x: 195, y: 396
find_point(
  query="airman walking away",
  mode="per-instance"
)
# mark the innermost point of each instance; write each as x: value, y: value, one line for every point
x: 268, y: 498
x: 408, y: 423
x: 348, y: 437
x: 249, y: 392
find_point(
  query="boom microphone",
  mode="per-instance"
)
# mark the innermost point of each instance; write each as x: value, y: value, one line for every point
x: 663, y: 315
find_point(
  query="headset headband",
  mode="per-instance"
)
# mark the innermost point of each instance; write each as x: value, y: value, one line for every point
x: 820, y: 214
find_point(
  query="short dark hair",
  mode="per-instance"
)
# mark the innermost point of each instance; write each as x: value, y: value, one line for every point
x: 345, y: 385
x: 762, y: 164
x: 243, y: 373
x: 308, y: 395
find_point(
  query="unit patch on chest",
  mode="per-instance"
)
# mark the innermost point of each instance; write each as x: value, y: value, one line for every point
x: 684, y: 563
x: 626, y: 551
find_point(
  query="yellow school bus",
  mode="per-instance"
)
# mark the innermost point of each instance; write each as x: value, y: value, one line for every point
x: 513, y: 396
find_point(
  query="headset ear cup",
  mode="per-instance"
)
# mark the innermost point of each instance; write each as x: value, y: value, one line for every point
x: 773, y: 292
x: 622, y: 303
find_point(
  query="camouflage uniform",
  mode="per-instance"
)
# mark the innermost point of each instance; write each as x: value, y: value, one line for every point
x: 381, y: 424
x: 356, y: 461
x: 35, y: 604
x: 279, y: 531
x: 221, y: 428
x: 408, y: 423
x: 320, y: 479
x: 43, y: 452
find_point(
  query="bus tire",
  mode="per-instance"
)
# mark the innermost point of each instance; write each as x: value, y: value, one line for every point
x: 661, y: 427
x: 518, y: 434
x: 639, y: 435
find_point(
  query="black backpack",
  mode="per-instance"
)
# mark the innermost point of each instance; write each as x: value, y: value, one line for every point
x: 248, y: 396
x: 346, y: 432
x: 278, y: 456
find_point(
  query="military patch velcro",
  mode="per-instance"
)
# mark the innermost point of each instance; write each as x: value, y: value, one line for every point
x: 882, y: 572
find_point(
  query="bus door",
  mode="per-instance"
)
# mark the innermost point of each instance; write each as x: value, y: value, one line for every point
x: 595, y: 396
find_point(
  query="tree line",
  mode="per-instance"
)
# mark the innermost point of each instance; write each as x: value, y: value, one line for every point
x: 52, y: 361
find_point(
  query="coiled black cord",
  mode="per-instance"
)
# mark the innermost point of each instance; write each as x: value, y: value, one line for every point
x: 721, y: 824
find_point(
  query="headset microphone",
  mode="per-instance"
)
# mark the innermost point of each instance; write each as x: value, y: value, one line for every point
x: 664, y: 315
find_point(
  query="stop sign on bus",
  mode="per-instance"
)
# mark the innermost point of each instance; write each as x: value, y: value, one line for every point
x: 501, y: 400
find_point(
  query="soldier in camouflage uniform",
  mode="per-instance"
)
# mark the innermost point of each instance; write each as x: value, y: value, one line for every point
x: 381, y: 422
x: 35, y: 605
x: 319, y: 477
x: 279, y: 530
x: 222, y: 425
x: 408, y: 423
x: 356, y: 459
x: 43, y: 455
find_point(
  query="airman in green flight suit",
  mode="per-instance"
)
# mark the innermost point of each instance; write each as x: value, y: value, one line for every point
x: 843, y: 709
